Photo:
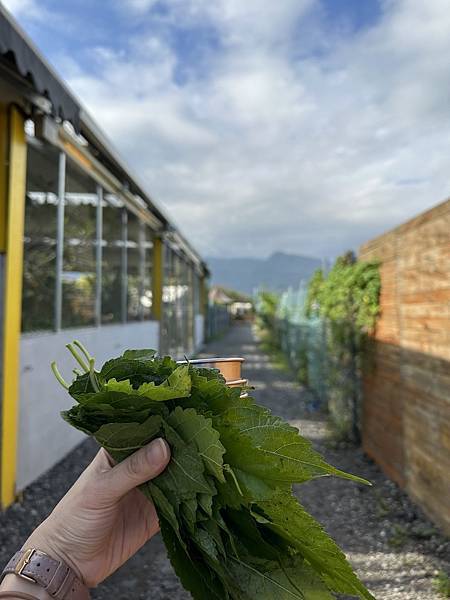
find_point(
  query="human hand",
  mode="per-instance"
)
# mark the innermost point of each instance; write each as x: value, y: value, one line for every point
x: 103, y: 519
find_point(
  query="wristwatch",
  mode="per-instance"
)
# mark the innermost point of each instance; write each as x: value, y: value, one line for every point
x: 54, y: 576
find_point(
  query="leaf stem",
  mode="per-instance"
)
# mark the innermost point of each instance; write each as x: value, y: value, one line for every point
x: 58, y: 376
x: 229, y: 470
x: 78, y: 358
x: 83, y: 349
x: 92, y: 375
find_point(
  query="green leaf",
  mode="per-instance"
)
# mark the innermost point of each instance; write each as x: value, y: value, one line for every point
x: 144, y: 355
x: 266, y: 580
x: 177, y: 385
x: 122, y: 439
x: 138, y: 371
x: 184, y: 478
x: 163, y: 507
x: 81, y: 385
x: 120, y: 400
x: 274, y: 450
x: 196, y: 429
x: 285, y: 516
x: 124, y: 386
x: 195, y: 576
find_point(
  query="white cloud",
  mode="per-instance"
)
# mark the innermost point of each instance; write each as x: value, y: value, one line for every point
x: 19, y: 8
x: 264, y: 151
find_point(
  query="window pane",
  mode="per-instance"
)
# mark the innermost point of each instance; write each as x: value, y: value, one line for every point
x: 168, y: 326
x: 134, y: 290
x: 179, y: 306
x: 189, y: 307
x: 112, y: 257
x: 147, y: 293
x: 39, y: 267
x: 196, y: 293
x: 79, y: 272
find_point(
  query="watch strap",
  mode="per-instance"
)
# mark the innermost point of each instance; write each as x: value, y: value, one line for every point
x: 58, y: 579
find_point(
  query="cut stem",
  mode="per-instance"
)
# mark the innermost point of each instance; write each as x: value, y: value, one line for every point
x: 58, y: 376
x: 83, y: 349
x: 78, y: 358
x: 92, y: 375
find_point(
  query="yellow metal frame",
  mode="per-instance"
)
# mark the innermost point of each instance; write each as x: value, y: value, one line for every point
x: 3, y: 173
x: 14, y: 199
x: 158, y: 267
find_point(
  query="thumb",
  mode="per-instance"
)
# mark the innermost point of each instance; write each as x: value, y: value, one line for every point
x: 145, y: 464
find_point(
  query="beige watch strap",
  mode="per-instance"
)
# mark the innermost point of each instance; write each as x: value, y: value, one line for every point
x: 54, y: 576
x: 13, y: 586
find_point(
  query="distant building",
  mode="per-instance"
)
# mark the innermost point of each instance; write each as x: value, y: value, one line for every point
x: 239, y: 305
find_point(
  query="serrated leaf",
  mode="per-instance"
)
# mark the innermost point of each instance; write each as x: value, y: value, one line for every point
x: 138, y: 371
x: 145, y: 355
x: 184, y: 477
x: 264, y: 445
x: 289, y: 519
x: 163, y: 507
x: 269, y: 580
x: 196, y: 429
x: 124, y: 386
x: 122, y: 439
x: 195, y: 576
x: 81, y: 385
x: 177, y: 385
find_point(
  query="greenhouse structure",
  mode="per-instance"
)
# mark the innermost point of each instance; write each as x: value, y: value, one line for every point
x: 85, y: 254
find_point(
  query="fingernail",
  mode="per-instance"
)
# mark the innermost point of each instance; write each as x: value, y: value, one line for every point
x: 157, y: 451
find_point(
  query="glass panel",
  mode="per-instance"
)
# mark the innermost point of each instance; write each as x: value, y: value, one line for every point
x: 196, y: 292
x: 179, y: 334
x: 134, y: 280
x: 79, y: 273
x: 168, y: 325
x: 190, y: 308
x: 39, y: 267
x: 112, y: 260
x: 147, y: 293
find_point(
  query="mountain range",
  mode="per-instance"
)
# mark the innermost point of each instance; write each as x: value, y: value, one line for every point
x: 275, y: 273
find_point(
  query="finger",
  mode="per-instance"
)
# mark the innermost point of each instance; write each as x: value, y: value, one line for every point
x: 145, y: 464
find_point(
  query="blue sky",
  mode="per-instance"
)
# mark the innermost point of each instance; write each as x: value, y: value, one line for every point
x: 307, y: 126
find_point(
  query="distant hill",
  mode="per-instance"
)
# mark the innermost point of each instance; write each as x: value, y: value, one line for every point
x: 275, y: 273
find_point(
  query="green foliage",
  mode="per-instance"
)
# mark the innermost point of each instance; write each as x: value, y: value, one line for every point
x: 349, y: 295
x: 266, y: 307
x: 314, y: 288
x: 232, y: 528
x: 441, y: 584
x: 347, y: 300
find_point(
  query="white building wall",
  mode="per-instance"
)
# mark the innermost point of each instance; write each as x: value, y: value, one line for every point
x: 44, y: 438
x: 199, y: 331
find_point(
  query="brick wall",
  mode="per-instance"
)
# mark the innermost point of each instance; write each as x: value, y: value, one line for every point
x: 406, y: 415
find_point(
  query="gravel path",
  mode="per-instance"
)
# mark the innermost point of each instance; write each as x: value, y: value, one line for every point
x: 394, y: 549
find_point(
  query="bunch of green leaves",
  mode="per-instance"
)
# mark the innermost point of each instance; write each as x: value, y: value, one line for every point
x: 232, y: 527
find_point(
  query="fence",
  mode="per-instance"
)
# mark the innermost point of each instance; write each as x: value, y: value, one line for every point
x: 218, y: 320
x: 332, y: 377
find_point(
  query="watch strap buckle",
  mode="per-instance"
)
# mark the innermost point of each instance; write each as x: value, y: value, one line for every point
x: 23, y: 562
